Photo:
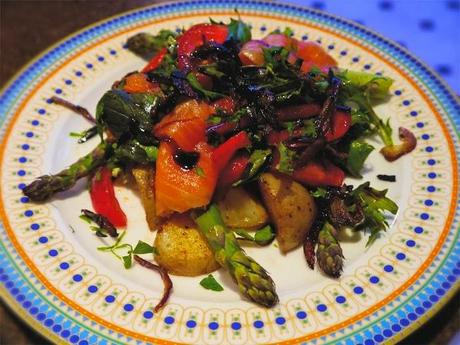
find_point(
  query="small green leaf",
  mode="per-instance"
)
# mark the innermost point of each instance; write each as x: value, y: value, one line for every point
x: 288, y: 31
x: 357, y: 155
x: 309, y: 128
x: 195, y: 84
x: 76, y: 134
x: 258, y: 162
x: 264, y: 236
x: 85, y: 218
x: 318, y: 192
x: 100, y: 234
x: 99, y: 231
x: 244, y: 235
x: 286, y: 161
x: 239, y: 31
x: 261, y: 237
x: 214, y: 120
x: 210, y: 283
x: 127, y: 261
x: 152, y: 152
x: 200, y: 172
x: 143, y: 248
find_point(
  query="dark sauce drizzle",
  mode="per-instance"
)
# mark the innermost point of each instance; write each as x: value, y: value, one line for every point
x: 186, y: 160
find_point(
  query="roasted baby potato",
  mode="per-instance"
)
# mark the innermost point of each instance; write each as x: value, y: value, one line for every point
x: 239, y: 209
x: 181, y: 248
x: 291, y: 207
x: 145, y: 179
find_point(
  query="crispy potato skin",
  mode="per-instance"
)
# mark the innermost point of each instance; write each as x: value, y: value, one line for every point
x: 239, y: 209
x: 291, y: 208
x: 181, y: 248
x: 145, y: 177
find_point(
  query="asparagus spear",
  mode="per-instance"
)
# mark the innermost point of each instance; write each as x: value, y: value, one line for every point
x: 44, y: 187
x: 144, y: 44
x: 329, y: 253
x: 252, y: 279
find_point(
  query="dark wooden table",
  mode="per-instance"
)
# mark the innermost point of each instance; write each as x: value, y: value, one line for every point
x: 27, y: 28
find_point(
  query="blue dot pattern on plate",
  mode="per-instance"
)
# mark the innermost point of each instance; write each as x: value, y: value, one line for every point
x: 415, y: 24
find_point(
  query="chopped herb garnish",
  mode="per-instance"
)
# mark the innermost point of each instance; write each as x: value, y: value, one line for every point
x: 200, y: 172
x: 103, y: 227
x: 143, y: 248
x: 262, y: 237
x: 210, y: 283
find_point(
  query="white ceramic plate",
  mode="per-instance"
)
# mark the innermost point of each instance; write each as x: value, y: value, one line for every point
x: 54, y: 277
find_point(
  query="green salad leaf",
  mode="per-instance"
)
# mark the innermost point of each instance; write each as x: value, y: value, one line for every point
x: 210, y: 283
x: 374, y: 204
x: 239, y: 31
x: 143, y: 248
x: 357, y: 155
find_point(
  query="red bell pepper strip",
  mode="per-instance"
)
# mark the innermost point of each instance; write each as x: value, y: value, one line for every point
x: 233, y: 171
x: 223, y: 153
x: 103, y: 198
x: 155, y: 61
x: 320, y: 173
x: 341, y: 123
x: 195, y: 37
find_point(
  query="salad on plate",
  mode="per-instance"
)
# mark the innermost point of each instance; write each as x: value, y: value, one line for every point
x: 233, y: 141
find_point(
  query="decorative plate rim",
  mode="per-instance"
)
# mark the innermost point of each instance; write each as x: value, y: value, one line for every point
x: 444, y: 88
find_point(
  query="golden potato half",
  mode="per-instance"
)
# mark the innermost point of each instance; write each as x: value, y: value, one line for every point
x: 182, y: 249
x: 292, y: 209
x: 241, y: 210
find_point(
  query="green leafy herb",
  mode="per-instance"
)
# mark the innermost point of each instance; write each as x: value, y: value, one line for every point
x: 127, y: 260
x: 319, y: 192
x: 98, y: 231
x: 76, y: 134
x: 374, y: 204
x: 145, y: 44
x: 214, y: 120
x: 210, y: 283
x: 357, y: 155
x: 103, y: 227
x: 288, y: 32
x: 85, y: 135
x: 195, y: 84
x: 286, y: 162
x: 120, y: 250
x: 262, y: 237
x: 376, y: 85
x: 239, y: 31
x: 135, y: 152
x: 212, y: 70
x: 128, y: 115
x: 143, y: 248
x: 309, y: 128
x: 362, y: 89
x: 258, y: 161
x: 200, y: 172
x: 85, y: 218
x: 265, y: 235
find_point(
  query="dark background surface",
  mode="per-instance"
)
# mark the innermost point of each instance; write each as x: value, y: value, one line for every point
x: 27, y: 28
